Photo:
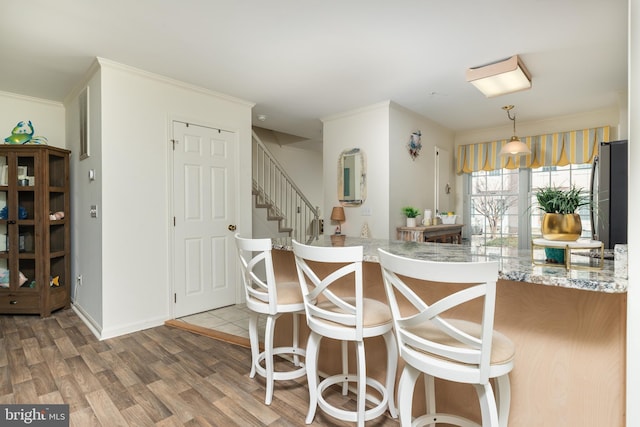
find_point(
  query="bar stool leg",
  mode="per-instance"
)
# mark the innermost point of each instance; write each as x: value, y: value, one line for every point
x: 255, y: 343
x: 503, y: 398
x: 313, y: 344
x: 392, y: 366
x: 345, y: 367
x: 487, y: 404
x: 362, y: 382
x: 430, y: 394
x: 405, y: 394
x: 296, y: 328
x: 268, y: 357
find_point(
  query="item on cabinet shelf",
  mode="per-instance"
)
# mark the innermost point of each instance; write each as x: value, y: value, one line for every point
x: 22, y: 133
x: 56, y: 216
x: 22, y: 213
x: 22, y: 247
x: 5, y: 277
x: 54, y: 281
x: 23, y: 182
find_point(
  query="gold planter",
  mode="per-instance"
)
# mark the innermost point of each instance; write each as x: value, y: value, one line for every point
x: 566, y: 227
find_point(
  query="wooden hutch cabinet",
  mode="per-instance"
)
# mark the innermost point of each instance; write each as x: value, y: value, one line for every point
x: 35, y: 275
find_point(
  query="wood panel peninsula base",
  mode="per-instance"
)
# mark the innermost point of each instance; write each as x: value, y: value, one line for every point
x: 570, y: 340
x: 442, y: 233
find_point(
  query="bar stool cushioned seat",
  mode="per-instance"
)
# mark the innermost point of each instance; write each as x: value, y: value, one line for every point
x: 433, y: 343
x: 331, y: 283
x: 266, y: 296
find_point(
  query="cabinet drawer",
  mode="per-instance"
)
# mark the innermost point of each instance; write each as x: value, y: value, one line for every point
x: 19, y: 303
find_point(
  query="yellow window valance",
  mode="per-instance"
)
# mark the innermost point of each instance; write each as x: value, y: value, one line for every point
x: 554, y: 149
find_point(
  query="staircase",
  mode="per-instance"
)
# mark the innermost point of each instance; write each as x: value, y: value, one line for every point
x: 276, y: 192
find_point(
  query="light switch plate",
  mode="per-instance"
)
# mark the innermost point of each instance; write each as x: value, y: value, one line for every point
x: 365, y: 211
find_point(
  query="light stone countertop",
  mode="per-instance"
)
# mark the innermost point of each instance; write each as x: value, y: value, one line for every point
x: 515, y: 264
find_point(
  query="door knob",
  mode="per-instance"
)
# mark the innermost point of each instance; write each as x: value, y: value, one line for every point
x: 232, y: 227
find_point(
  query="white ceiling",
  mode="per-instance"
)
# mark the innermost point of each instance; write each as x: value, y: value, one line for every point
x: 302, y: 60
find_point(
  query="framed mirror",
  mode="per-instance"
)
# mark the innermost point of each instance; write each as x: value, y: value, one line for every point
x: 352, y: 177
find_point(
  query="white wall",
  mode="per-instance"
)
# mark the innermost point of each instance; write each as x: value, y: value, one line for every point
x: 47, y: 117
x: 368, y: 129
x: 86, y: 232
x: 134, y: 166
x: 412, y: 181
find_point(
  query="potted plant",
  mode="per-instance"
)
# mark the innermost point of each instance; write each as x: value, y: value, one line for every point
x: 411, y: 213
x: 560, y: 220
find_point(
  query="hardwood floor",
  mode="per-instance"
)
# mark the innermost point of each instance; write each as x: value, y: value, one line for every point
x: 162, y: 376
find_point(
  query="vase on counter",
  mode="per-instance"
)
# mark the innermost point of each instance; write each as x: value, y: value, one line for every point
x: 411, y: 222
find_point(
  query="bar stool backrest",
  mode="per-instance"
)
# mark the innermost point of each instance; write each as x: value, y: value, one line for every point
x: 456, y: 352
x: 258, y: 277
x: 331, y: 310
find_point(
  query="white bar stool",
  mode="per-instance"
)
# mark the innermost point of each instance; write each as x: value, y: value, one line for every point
x: 451, y: 349
x: 344, y: 318
x: 270, y: 298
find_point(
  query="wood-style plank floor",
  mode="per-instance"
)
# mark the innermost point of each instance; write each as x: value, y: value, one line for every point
x: 163, y: 376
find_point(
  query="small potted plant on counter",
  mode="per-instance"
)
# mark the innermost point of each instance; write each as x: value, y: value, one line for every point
x: 411, y: 213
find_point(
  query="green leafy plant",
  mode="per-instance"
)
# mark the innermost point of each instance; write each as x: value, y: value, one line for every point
x: 410, y: 211
x: 556, y: 200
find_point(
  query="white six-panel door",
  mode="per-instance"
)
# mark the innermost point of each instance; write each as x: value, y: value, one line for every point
x: 204, y: 178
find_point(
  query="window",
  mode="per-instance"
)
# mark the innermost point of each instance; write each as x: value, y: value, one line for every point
x: 563, y: 177
x: 494, y: 208
x: 503, y: 212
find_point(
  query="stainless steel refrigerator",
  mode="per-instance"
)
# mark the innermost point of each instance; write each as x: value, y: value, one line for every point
x: 609, y: 188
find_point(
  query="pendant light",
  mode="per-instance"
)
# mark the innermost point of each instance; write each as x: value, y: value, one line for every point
x: 514, y: 147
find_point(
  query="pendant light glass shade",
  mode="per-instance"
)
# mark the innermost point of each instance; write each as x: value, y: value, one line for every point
x: 514, y: 147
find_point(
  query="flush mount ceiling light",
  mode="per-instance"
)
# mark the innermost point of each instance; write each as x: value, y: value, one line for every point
x: 514, y: 147
x: 501, y: 77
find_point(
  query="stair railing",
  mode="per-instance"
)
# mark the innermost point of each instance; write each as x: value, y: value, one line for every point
x: 276, y: 191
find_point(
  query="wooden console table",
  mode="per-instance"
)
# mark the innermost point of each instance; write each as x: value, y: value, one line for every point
x: 443, y: 233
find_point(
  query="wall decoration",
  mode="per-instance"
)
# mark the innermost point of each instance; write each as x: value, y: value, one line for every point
x: 83, y: 105
x: 415, y: 144
x: 22, y: 133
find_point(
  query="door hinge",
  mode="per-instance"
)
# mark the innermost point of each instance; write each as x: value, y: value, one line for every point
x: 174, y: 142
x: 175, y: 298
x: 174, y: 221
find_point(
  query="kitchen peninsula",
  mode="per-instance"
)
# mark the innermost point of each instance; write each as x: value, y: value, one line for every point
x: 568, y: 326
